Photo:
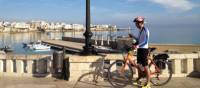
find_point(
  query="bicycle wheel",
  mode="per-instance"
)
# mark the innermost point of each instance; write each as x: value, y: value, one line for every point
x: 162, y: 77
x: 117, y: 78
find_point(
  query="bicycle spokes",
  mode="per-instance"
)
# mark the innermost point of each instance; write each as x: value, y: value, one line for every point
x: 118, y: 75
x: 161, y: 74
x: 158, y: 77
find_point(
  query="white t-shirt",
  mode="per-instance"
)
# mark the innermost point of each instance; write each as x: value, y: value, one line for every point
x: 143, y: 38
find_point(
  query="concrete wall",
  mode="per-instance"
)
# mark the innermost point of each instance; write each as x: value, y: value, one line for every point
x: 81, y: 65
x: 182, y: 64
x: 41, y: 65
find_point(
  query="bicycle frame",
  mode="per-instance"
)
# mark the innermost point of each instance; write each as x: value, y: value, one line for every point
x: 126, y: 72
x: 128, y: 60
x: 157, y: 69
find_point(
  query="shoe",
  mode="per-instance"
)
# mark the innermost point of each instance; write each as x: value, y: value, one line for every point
x: 135, y: 83
x: 147, y: 86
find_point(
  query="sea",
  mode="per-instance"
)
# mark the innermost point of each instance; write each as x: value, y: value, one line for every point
x: 157, y: 36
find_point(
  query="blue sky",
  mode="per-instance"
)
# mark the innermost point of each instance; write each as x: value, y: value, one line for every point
x: 118, y: 12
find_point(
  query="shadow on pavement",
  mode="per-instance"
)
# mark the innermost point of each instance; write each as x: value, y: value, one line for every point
x: 194, y: 75
x: 87, y: 80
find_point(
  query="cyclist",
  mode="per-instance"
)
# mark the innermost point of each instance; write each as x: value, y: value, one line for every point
x: 142, y: 47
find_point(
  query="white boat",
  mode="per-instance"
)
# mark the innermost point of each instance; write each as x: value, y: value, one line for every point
x: 40, y: 47
x: 37, y: 46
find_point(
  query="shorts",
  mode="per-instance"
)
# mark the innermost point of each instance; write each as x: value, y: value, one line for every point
x: 142, y: 54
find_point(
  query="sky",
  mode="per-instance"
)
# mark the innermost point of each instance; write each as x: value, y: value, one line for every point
x: 159, y: 13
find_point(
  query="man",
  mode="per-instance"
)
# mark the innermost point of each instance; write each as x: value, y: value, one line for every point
x: 142, y: 44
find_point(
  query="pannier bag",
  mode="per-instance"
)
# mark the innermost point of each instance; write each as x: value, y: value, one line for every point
x: 160, y: 59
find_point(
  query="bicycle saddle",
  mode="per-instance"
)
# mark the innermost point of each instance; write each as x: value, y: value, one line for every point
x: 151, y: 49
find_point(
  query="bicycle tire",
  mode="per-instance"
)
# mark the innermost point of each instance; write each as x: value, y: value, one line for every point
x: 115, y: 78
x: 164, y: 76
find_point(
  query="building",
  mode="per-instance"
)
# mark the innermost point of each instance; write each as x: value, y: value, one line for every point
x: 6, y: 24
x: 78, y: 27
x: 1, y: 24
x: 58, y: 26
x: 34, y: 25
x: 67, y: 27
x: 51, y: 26
x: 20, y: 26
x: 44, y: 25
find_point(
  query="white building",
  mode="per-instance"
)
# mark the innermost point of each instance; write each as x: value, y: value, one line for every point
x: 58, y: 26
x: 20, y: 25
x: 78, y: 27
x: 7, y: 29
x: 1, y: 24
x: 51, y: 26
x: 6, y: 24
x: 68, y: 26
x: 34, y: 25
x: 44, y: 25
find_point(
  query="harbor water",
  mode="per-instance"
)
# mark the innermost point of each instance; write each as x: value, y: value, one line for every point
x: 16, y: 40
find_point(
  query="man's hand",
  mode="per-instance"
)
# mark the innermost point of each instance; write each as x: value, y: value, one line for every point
x: 130, y: 35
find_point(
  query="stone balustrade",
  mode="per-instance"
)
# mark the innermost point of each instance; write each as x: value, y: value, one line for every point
x: 25, y: 65
x: 182, y: 64
x: 41, y: 65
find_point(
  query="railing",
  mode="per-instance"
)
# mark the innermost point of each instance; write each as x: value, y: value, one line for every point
x: 185, y: 64
x: 23, y: 65
x: 182, y: 64
x: 41, y: 65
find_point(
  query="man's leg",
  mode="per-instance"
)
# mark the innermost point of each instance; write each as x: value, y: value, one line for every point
x: 147, y: 74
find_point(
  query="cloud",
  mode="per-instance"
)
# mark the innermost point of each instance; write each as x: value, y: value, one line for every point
x: 182, y: 5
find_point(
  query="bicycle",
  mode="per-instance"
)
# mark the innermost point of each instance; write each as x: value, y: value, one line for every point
x: 101, y: 70
x: 93, y: 77
x: 120, y: 73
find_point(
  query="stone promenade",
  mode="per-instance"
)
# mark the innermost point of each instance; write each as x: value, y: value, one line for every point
x: 10, y: 82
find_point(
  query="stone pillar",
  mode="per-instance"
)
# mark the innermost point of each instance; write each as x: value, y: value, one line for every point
x: 101, y: 40
x: 108, y: 40
x: 176, y: 66
x: 197, y: 65
x: 29, y: 66
x: 41, y: 66
x: 165, y: 71
x: 20, y: 66
x: 190, y: 65
x: 1, y: 66
x: 96, y: 39
x: 49, y: 65
x: 9, y: 66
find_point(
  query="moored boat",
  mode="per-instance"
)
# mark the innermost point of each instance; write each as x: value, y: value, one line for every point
x: 36, y: 46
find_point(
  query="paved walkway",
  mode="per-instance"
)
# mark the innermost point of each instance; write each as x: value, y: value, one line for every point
x: 55, y: 83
